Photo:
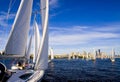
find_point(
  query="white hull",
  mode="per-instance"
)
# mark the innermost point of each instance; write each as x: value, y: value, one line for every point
x: 37, y: 76
x: 112, y: 60
x: 34, y: 77
x: 26, y: 75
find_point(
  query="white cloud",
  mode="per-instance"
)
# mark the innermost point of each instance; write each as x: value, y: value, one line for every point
x: 54, y: 3
x: 4, y: 18
x: 76, y: 37
x: 109, y: 28
x: 4, y: 31
x: 68, y: 30
x: 55, y: 13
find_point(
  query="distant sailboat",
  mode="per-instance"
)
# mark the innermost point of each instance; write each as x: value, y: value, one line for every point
x: 113, y: 54
x: 51, y: 54
x: 94, y: 55
x: 17, y: 42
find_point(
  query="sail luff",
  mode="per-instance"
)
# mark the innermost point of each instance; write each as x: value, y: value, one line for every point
x: 42, y: 59
x: 19, y: 33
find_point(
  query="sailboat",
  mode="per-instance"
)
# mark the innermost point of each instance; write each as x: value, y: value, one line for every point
x: 51, y: 53
x: 113, y: 54
x: 94, y: 55
x: 17, y: 42
x: 42, y: 59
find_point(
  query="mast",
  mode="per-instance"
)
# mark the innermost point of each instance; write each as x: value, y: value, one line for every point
x: 19, y: 33
x: 42, y: 59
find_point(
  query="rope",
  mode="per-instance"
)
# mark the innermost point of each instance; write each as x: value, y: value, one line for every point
x: 11, y: 4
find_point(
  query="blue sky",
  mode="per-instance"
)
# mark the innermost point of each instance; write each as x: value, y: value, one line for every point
x: 74, y: 25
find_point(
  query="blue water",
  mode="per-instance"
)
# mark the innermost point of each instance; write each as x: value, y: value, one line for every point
x: 8, y: 62
x: 63, y: 70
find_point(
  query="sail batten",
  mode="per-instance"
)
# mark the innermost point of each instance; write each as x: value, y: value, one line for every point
x: 19, y: 33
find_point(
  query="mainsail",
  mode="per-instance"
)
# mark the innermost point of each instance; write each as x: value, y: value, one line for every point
x: 42, y: 59
x: 18, y: 36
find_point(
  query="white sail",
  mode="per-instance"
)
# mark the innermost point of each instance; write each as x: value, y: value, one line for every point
x: 29, y: 48
x: 94, y: 54
x: 42, y: 59
x: 37, y: 40
x: 113, y: 53
x: 51, y: 53
x: 19, y: 33
x: 113, y: 56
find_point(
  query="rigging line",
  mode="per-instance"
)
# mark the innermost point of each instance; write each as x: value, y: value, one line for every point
x: 11, y: 4
x: 9, y: 8
x: 7, y: 16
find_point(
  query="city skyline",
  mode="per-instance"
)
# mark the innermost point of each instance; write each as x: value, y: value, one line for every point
x: 73, y: 25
